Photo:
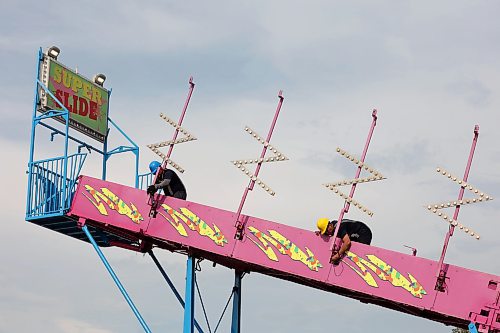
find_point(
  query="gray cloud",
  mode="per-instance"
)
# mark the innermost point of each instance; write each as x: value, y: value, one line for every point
x: 473, y: 92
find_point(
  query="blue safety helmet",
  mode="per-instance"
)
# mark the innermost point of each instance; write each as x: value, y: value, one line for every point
x: 153, y: 166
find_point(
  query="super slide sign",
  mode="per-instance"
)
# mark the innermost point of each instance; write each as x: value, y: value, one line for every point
x: 86, y: 101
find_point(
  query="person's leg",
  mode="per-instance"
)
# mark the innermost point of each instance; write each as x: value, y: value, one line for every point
x: 180, y: 195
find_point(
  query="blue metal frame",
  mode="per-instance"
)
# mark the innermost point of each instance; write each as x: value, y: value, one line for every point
x: 189, y: 297
x: 122, y: 149
x: 236, y: 317
x: 52, y: 181
x: 33, y: 129
x: 36, y: 196
x: 117, y: 281
x: 145, y: 180
x: 47, y: 195
x: 105, y: 144
x: 35, y: 121
x: 82, y: 144
x: 51, y: 184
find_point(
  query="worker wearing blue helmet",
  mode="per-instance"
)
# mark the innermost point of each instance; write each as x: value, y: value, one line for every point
x: 168, y: 181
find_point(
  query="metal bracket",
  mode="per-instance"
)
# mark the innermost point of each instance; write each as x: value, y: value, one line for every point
x: 81, y: 222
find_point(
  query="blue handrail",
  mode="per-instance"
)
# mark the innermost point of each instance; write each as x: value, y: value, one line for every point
x: 51, y: 193
x: 145, y: 180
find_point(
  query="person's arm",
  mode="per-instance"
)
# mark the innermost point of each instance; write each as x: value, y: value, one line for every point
x: 346, y: 245
x: 163, y: 183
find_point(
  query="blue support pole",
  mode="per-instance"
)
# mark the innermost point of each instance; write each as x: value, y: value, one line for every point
x: 171, y: 285
x: 65, y: 196
x: 135, y: 151
x: 117, y: 281
x: 105, y: 156
x: 33, y: 130
x: 236, y: 318
x: 189, y: 297
x: 105, y: 145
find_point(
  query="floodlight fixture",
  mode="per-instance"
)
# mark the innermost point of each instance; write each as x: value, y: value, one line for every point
x: 53, y: 52
x: 99, y: 79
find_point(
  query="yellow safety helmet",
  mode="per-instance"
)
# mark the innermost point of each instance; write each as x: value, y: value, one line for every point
x: 322, y: 224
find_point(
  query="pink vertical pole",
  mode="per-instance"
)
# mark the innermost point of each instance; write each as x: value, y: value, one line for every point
x: 441, y: 273
x: 191, y: 88
x: 171, y: 148
x: 334, y: 243
x: 250, y: 186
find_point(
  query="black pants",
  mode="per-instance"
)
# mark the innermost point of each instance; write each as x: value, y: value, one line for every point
x: 180, y: 195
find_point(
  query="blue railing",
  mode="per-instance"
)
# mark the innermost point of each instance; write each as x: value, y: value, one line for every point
x: 145, y: 180
x: 51, y: 187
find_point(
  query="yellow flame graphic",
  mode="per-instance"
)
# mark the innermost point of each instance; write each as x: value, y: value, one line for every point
x: 175, y: 223
x: 113, y: 202
x: 285, y: 247
x: 194, y: 223
x: 385, y: 272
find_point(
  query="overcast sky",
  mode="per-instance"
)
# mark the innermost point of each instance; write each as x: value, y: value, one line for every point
x: 431, y: 69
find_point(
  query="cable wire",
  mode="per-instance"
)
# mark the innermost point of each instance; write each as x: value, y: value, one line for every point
x: 202, y: 305
x: 224, y: 311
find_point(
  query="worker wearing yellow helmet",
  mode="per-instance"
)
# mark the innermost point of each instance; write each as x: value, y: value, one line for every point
x: 349, y: 230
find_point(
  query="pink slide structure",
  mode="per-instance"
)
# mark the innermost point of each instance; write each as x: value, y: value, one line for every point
x: 369, y: 274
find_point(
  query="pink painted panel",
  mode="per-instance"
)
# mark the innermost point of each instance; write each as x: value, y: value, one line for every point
x: 374, y: 273
x: 367, y: 269
x: 194, y: 225
x: 470, y: 291
x: 114, y: 204
x: 387, y: 274
x: 284, y: 248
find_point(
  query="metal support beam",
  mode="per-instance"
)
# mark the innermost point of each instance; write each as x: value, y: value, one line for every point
x: 152, y: 201
x: 56, y: 131
x: 240, y: 225
x: 236, y: 318
x: 117, y: 281
x: 32, y: 138
x: 171, y: 285
x: 134, y: 149
x: 334, y: 242
x: 189, y: 297
x: 441, y: 273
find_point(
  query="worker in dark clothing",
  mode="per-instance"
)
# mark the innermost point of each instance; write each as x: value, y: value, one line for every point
x: 349, y: 230
x: 168, y: 181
